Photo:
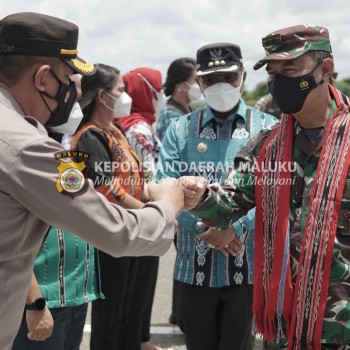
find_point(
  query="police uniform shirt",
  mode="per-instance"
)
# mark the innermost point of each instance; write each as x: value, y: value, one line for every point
x: 38, y: 190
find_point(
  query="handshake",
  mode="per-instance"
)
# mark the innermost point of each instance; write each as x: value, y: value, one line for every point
x: 182, y: 194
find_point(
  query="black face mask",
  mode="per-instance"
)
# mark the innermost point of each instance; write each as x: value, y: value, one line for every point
x: 291, y: 93
x: 65, y: 97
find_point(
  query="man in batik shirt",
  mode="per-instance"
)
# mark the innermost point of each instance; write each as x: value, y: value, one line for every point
x: 204, y: 143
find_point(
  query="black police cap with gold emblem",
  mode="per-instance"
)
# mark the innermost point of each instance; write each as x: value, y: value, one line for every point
x: 219, y: 57
x: 35, y: 34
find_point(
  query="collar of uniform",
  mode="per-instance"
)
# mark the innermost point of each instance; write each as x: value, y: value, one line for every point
x: 9, y: 101
x: 209, y: 115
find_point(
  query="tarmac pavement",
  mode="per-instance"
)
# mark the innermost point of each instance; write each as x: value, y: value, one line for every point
x: 163, y: 334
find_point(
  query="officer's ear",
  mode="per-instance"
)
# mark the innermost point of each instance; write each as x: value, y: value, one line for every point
x: 41, y: 77
x: 327, y: 69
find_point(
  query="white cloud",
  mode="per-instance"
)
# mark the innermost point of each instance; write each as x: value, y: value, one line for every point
x: 132, y: 33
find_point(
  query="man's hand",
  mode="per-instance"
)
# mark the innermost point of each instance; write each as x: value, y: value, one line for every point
x: 224, y: 240
x: 40, y: 324
x: 168, y: 189
x: 194, y: 188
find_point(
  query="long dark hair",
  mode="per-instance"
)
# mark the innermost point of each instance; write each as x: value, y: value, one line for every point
x: 104, y: 78
x: 179, y: 70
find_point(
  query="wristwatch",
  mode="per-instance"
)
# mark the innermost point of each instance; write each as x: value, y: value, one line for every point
x: 39, y: 304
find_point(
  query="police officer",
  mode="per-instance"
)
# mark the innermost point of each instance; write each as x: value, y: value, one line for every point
x: 40, y: 184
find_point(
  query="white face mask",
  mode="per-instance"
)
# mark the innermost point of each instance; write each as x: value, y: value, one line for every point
x: 195, y: 92
x: 160, y: 102
x: 75, y: 117
x: 122, y: 105
x: 222, y: 97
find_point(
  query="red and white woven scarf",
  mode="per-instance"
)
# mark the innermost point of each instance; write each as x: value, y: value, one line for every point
x: 303, y: 306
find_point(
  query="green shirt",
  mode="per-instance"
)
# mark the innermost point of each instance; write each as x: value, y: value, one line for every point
x: 66, y: 271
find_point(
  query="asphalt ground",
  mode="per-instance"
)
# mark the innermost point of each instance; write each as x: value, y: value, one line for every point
x: 163, y: 334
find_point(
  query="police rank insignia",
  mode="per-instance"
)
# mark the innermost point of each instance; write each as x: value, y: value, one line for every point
x: 71, y: 179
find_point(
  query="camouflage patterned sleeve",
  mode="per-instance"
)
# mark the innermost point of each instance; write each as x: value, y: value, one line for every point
x: 226, y: 203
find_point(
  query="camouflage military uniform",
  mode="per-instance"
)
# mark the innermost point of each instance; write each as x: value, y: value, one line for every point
x: 331, y: 329
x: 268, y: 105
x: 240, y: 189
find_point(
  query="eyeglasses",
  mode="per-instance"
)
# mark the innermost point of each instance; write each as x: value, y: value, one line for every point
x: 211, y: 79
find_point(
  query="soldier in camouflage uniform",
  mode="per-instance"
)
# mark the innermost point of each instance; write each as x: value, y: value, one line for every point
x: 297, y: 176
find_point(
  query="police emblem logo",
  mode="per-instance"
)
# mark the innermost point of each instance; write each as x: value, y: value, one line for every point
x: 304, y: 85
x: 71, y: 179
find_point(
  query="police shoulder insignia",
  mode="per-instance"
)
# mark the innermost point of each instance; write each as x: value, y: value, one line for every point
x: 71, y: 179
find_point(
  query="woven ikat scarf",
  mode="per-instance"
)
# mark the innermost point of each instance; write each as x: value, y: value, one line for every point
x: 275, y: 298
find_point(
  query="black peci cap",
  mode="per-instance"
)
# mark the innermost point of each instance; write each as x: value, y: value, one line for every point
x: 35, y: 34
x: 219, y: 57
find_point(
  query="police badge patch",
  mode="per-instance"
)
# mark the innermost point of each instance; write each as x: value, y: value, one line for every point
x: 71, y: 179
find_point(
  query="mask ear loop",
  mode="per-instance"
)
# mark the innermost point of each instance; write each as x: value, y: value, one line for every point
x: 110, y: 95
x: 105, y: 103
x: 312, y: 72
x: 153, y: 90
x: 190, y: 85
x: 200, y: 85
x: 41, y: 93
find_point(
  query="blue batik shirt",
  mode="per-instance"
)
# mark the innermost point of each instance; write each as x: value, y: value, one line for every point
x: 201, y: 144
x: 172, y: 110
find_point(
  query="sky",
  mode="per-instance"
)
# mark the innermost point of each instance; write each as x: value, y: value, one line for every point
x: 152, y: 33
